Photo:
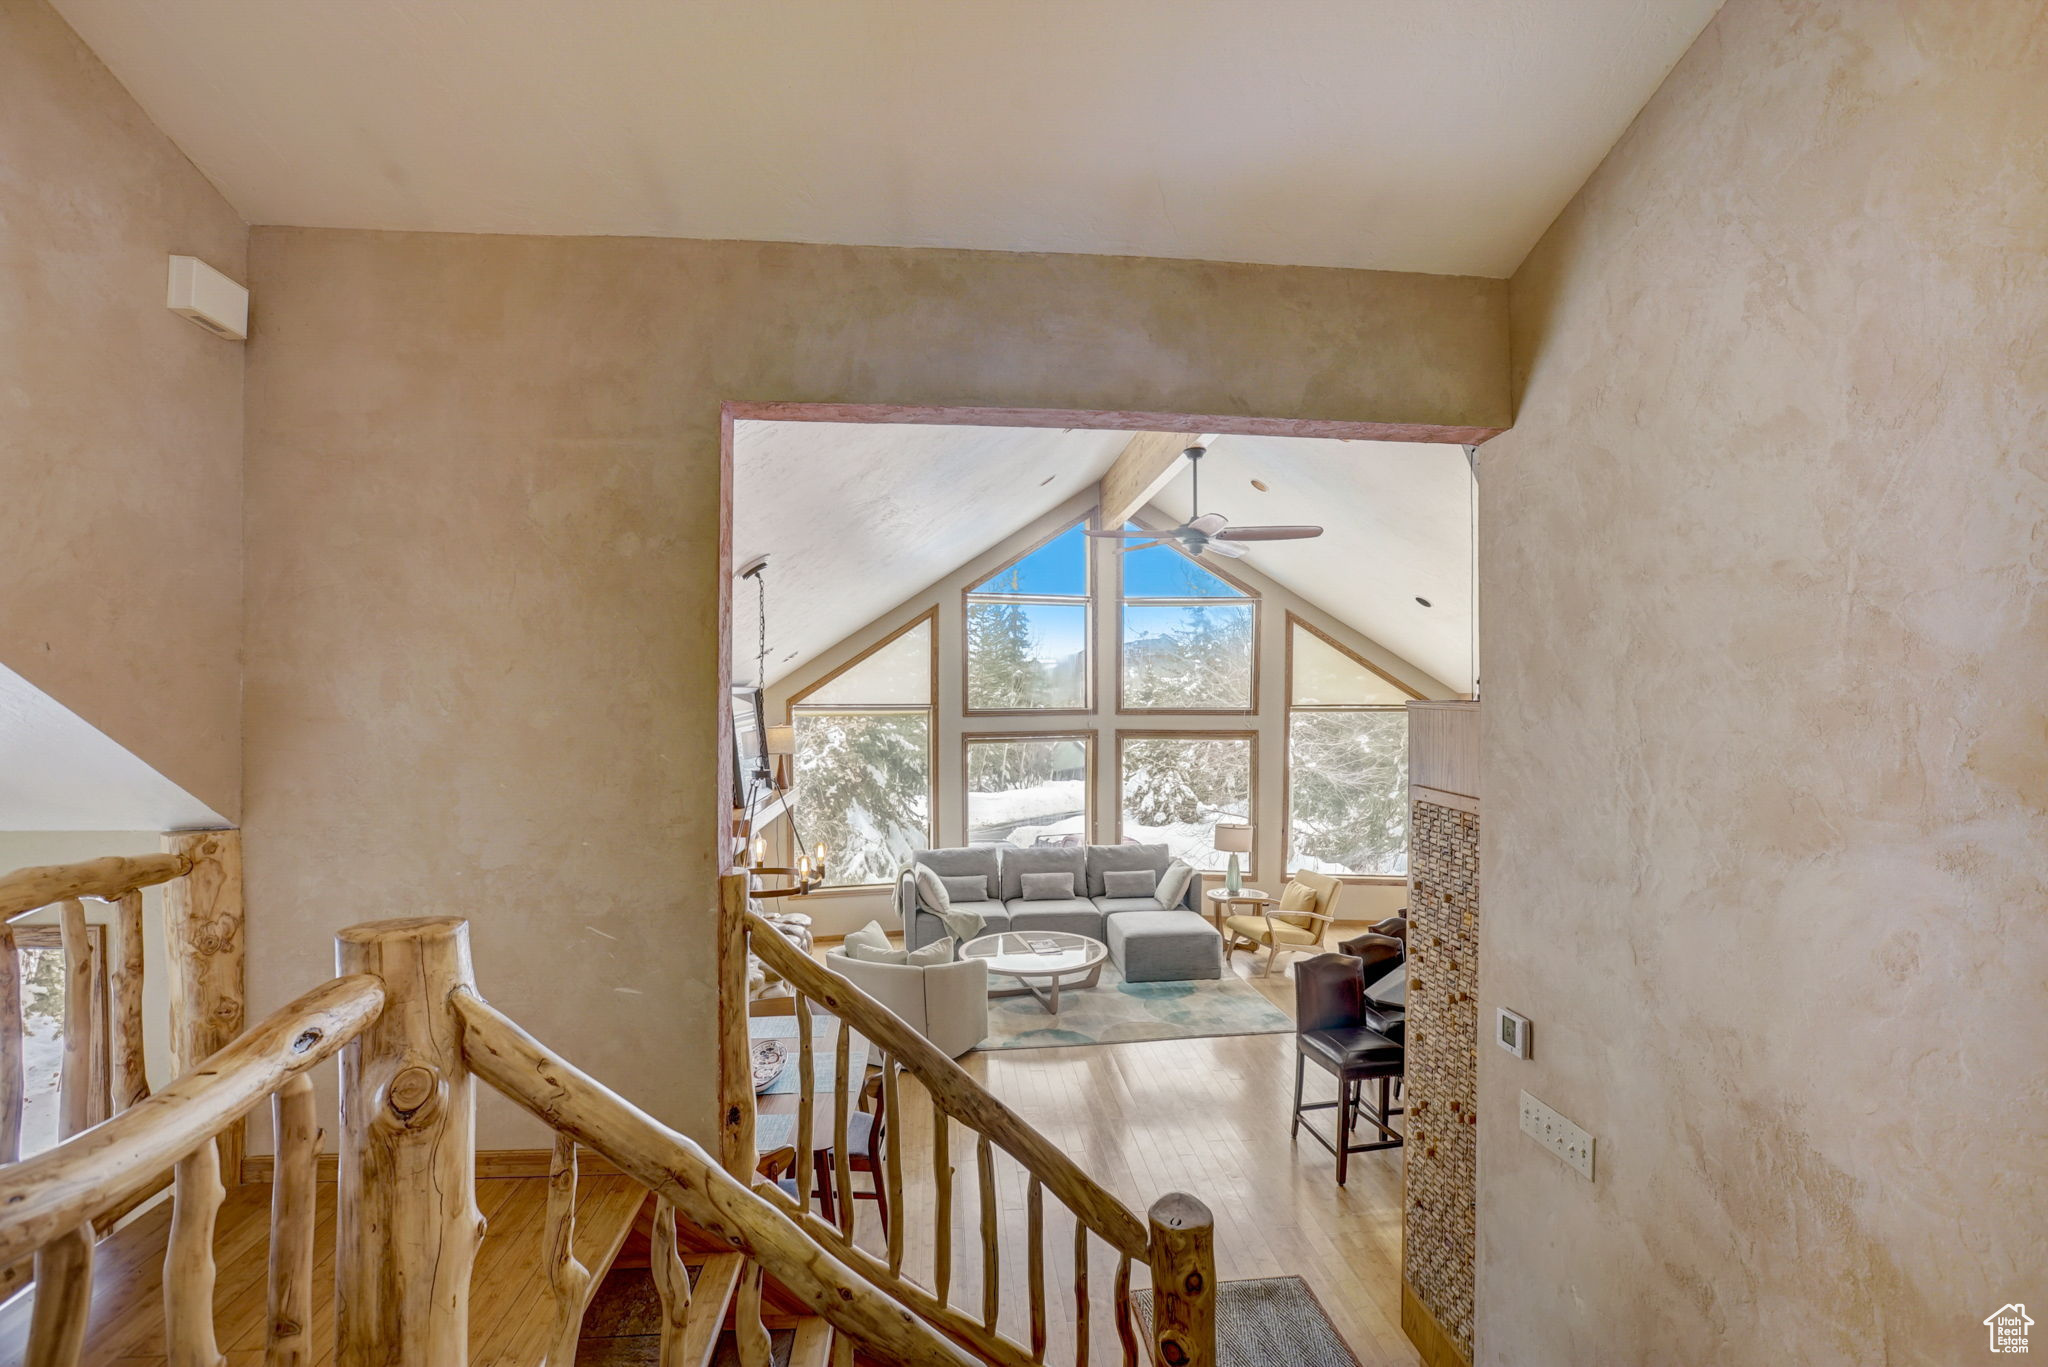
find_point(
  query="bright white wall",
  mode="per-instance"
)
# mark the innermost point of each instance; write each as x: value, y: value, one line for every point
x: 835, y: 913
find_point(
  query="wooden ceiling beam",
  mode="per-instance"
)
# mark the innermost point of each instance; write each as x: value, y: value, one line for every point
x: 1146, y: 465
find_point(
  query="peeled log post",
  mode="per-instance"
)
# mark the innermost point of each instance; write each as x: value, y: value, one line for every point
x: 124, y: 982
x: 1183, y: 1282
x: 568, y: 1279
x: 671, y: 1282
x: 13, y: 1093
x: 74, y: 1082
x: 189, y: 1340
x: 56, y: 1328
x: 735, y: 1046
x: 289, y: 1340
x: 407, y: 1221
x: 203, y: 954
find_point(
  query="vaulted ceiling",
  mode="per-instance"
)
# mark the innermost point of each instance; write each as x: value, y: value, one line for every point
x: 1417, y: 135
x: 856, y: 518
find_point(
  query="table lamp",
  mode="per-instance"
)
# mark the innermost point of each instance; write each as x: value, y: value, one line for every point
x: 1234, y: 840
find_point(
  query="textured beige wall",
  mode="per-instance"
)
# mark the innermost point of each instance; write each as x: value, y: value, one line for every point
x: 482, y: 541
x: 1766, y: 753
x: 120, y: 423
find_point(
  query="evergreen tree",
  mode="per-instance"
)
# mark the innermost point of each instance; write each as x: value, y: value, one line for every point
x: 861, y: 780
x: 1348, y: 797
x: 1001, y: 670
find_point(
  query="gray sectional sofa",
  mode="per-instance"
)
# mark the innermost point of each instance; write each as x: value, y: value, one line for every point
x: 1149, y: 942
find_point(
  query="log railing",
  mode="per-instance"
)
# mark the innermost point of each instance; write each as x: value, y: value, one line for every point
x: 1174, y: 1240
x: 48, y: 1203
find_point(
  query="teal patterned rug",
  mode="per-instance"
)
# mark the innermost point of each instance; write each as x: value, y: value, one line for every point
x: 1116, y: 1012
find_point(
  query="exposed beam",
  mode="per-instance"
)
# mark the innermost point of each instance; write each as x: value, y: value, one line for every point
x: 1146, y: 465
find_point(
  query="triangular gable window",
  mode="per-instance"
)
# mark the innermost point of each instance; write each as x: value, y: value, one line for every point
x: 1058, y: 569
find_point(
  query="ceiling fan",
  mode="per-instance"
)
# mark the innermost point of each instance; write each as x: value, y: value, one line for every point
x: 1207, y: 533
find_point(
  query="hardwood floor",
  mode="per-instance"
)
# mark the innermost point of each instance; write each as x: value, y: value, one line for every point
x: 1207, y: 1116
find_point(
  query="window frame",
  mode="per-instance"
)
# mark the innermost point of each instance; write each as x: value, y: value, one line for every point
x: 930, y: 709
x: 1294, y: 620
x: 1248, y: 867
x: 1088, y: 738
x: 1250, y: 598
x: 1085, y: 601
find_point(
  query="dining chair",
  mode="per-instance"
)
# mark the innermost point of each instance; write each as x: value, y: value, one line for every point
x: 866, y: 1136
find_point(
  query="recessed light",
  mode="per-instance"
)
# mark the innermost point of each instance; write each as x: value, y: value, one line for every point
x: 1260, y: 485
x: 1424, y: 601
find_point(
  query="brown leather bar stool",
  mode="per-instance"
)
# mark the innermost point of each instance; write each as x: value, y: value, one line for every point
x: 1335, y: 1029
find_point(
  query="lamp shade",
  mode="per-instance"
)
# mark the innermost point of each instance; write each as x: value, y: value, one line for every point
x: 781, y: 740
x: 1234, y: 839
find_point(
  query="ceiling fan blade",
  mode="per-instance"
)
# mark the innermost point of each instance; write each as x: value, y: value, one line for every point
x: 1141, y: 545
x: 1269, y: 533
x: 1208, y: 524
x: 1128, y: 535
x: 1223, y: 548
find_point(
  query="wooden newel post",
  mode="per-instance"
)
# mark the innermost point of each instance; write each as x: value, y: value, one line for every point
x: 203, y: 952
x: 407, y: 1224
x: 1183, y: 1282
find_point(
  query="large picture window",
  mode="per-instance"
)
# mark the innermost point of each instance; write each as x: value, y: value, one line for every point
x: 863, y: 781
x: 1347, y: 761
x: 1188, y: 638
x: 1027, y: 631
x: 1030, y: 790
x: 1174, y: 787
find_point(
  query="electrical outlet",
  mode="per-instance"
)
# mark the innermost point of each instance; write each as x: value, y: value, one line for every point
x: 1558, y: 1135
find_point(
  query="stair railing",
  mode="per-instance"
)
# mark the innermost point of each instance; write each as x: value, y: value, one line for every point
x: 48, y: 1203
x: 1175, y: 1240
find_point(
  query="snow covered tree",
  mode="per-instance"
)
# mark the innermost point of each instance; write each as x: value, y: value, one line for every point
x: 862, y: 789
x: 1348, y: 790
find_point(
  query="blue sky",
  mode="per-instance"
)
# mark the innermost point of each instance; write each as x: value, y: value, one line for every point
x: 1061, y: 567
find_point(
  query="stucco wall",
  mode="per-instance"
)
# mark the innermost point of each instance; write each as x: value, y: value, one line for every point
x: 120, y: 422
x: 1766, y: 781
x: 482, y: 538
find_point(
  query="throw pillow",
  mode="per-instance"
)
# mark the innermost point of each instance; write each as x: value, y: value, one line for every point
x: 966, y: 887
x: 932, y: 893
x: 1129, y: 883
x: 1047, y: 887
x: 1297, y: 898
x: 870, y: 944
x: 1173, y: 884
x: 937, y: 952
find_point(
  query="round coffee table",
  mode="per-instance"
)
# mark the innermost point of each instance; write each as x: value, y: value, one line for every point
x: 1042, y: 962
x: 1220, y: 903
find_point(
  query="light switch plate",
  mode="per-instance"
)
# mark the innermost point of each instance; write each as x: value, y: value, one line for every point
x: 1559, y: 1135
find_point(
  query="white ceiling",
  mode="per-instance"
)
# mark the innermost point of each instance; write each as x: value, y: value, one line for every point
x: 1397, y: 519
x: 856, y: 518
x: 1417, y: 135
x: 60, y: 773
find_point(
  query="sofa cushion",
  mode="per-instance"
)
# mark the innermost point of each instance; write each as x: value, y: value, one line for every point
x: 871, y: 944
x: 1074, y: 914
x: 965, y: 859
x: 1172, y: 888
x: 1164, y: 946
x: 1103, y: 858
x: 1017, y: 862
x: 964, y: 887
x: 1048, y: 887
x: 1128, y: 883
x: 1110, y: 906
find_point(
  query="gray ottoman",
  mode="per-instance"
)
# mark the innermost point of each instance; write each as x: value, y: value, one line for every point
x: 1164, y: 946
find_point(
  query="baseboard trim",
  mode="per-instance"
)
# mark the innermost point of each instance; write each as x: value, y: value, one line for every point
x: 490, y: 1163
x: 1438, y: 1348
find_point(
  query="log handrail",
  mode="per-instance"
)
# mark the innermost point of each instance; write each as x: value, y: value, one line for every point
x: 103, y: 880
x: 955, y: 1091
x: 569, y: 1101
x: 60, y: 1189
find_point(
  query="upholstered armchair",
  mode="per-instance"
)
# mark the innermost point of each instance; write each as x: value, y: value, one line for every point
x: 1298, y: 929
x: 946, y: 1003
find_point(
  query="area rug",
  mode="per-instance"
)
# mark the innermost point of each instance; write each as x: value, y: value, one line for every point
x: 1267, y: 1322
x: 1116, y: 1012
